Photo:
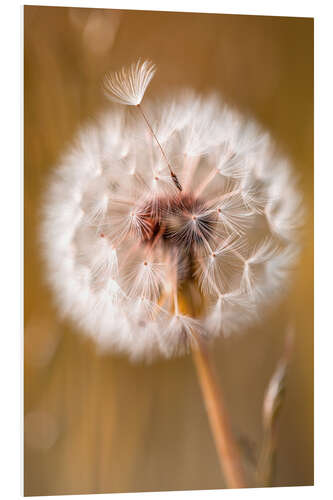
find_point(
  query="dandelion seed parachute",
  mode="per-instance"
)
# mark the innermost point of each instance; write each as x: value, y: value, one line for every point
x: 121, y: 240
x: 129, y: 85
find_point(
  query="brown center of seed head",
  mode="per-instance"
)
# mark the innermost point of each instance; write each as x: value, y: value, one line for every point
x: 165, y: 221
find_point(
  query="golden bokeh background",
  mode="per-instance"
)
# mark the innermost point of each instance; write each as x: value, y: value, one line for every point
x: 100, y: 424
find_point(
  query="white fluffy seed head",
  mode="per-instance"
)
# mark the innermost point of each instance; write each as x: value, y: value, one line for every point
x: 122, y: 241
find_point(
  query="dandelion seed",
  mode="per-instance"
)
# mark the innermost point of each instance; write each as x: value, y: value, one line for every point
x: 233, y: 214
x: 230, y: 312
x: 128, y: 87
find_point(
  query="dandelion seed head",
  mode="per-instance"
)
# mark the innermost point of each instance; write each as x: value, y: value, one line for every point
x: 132, y: 218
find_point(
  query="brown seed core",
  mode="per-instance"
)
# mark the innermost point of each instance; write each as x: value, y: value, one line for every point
x: 164, y: 221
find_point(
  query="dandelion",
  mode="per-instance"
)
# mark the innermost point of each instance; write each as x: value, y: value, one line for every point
x: 169, y: 229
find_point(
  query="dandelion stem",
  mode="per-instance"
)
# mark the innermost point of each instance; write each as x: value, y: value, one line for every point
x: 173, y: 175
x: 225, y: 443
x: 227, y: 449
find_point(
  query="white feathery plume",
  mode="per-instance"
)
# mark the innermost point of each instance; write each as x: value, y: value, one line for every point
x: 279, y: 266
x: 189, y: 194
x: 129, y: 85
x: 260, y: 254
x: 105, y: 261
x: 201, y: 137
x: 217, y: 270
x: 233, y: 214
x: 145, y: 279
x: 189, y: 225
x: 178, y: 336
x: 97, y: 209
x: 230, y: 312
x: 285, y: 214
x: 262, y: 251
x: 172, y: 121
x: 253, y: 193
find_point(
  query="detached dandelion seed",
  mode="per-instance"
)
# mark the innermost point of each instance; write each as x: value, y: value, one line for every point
x: 128, y: 87
x: 161, y: 233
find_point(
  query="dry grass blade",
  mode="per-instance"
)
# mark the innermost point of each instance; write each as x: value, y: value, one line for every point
x: 273, y: 401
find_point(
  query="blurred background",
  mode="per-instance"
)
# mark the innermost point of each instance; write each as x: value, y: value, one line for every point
x: 98, y: 424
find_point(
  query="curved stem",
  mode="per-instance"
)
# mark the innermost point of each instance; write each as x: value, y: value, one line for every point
x: 226, y: 446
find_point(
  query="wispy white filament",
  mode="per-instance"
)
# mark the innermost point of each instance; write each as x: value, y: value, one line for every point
x: 119, y: 238
x: 128, y: 85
